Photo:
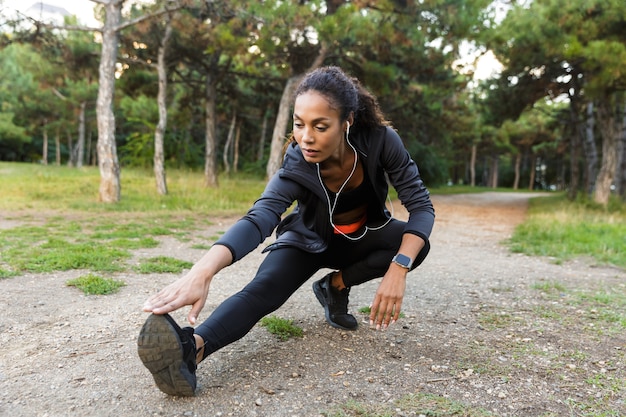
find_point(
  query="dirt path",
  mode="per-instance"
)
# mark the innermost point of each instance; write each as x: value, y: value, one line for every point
x: 471, y: 333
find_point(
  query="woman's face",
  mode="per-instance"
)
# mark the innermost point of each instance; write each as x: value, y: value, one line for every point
x: 317, y: 128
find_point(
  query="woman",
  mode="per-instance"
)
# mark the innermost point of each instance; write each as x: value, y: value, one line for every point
x: 336, y: 167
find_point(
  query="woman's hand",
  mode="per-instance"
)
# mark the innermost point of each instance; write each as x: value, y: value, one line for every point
x: 388, y: 298
x: 193, y: 288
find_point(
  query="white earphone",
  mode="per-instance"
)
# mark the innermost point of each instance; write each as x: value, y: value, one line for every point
x: 332, y: 206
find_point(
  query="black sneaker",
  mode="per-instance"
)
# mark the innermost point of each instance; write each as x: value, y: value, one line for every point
x: 335, y: 303
x: 169, y: 353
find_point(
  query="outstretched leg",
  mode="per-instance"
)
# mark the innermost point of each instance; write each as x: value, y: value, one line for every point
x: 171, y: 354
x: 281, y: 273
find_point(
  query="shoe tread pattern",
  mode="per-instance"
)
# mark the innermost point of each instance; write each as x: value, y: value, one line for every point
x: 159, y: 349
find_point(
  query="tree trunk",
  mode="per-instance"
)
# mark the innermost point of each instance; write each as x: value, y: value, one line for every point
x: 80, y: 159
x: 91, y: 159
x: 518, y: 163
x: 44, y: 151
x: 590, y: 150
x: 472, y: 166
x: 236, y: 148
x: 261, y: 150
x: 494, y: 171
x: 229, y: 141
x: 71, y: 150
x: 280, y: 126
x: 159, y: 133
x: 575, y: 151
x: 210, y: 158
x: 485, y: 175
x: 563, y: 173
x: 609, y: 126
x: 57, y: 145
x: 108, y: 163
x: 533, y: 172
x: 620, y: 179
x: 282, y: 117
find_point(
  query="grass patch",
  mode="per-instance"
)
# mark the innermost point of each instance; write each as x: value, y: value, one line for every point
x: 550, y: 287
x: 5, y: 273
x: 97, y: 243
x: 467, y: 189
x: 146, y: 242
x: 202, y: 246
x: 592, y: 408
x: 420, y: 404
x: 562, y: 229
x: 602, y: 306
x: 284, y: 329
x: 496, y: 320
x: 367, y: 310
x: 96, y: 285
x: 102, y: 242
x: 61, y: 255
x: 39, y: 187
x: 162, y: 265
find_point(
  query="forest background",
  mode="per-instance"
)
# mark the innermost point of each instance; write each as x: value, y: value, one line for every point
x: 207, y: 85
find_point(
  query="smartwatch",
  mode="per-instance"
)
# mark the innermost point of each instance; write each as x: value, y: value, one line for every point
x: 402, y: 260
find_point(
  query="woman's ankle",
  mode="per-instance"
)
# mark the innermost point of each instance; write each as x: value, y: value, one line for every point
x: 336, y: 281
x: 199, y: 348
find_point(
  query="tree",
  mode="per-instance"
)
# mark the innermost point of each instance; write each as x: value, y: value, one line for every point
x: 527, y: 135
x: 156, y: 39
x: 209, y: 36
x: 28, y: 93
x: 80, y: 60
x: 288, y: 36
x: 554, y: 46
x: 108, y: 163
x: 159, y: 155
x: 15, y: 83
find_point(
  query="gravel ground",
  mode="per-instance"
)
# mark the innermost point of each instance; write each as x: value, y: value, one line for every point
x: 472, y: 333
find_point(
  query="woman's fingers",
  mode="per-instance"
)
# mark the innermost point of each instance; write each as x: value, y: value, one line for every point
x: 384, y: 312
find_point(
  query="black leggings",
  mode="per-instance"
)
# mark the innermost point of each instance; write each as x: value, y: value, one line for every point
x: 284, y: 270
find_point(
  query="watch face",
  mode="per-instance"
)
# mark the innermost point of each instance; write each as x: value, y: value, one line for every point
x: 403, y: 260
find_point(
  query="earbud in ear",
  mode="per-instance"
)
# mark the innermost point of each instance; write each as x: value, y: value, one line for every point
x: 348, y: 124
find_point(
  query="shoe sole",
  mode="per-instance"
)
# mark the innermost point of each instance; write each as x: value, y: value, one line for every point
x: 160, y: 350
x: 319, y: 293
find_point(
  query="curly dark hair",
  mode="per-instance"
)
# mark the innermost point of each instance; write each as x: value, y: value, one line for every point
x: 346, y: 94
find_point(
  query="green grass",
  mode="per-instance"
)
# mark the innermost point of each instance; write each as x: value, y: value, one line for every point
x: 5, y: 273
x: 602, y: 309
x: 96, y: 285
x: 493, y: 320
x: 60, y: 226
x: 284, y: 329
x: 367, y: 310
x: 62, y: 255
x: 39, y: 187
x: 418, y: 404
x: 162, y: 264
x: 563, y: 230
x: 61, y: 246
x: 466, y: 189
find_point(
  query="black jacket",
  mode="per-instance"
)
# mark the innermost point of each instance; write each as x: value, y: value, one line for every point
x: 308, y: 225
